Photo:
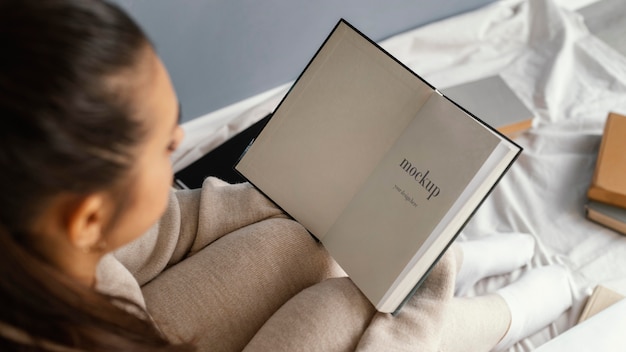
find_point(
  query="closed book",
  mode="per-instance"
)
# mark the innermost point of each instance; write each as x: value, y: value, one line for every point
x: 609, y: 178
x: 493, y: 101
x: 608, y: 215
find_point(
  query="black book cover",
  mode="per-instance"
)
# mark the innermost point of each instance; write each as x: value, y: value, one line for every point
x: 220, y: 161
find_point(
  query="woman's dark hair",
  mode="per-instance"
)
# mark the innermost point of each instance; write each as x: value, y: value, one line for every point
x: 66, y: 126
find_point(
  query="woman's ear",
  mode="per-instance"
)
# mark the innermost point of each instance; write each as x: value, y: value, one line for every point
x: 86, y: 223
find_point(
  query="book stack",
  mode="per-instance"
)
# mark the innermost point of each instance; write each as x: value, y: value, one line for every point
x: 607, y: 192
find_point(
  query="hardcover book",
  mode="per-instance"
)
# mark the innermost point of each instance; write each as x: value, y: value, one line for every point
x: 494, y: 102
x: 608, y: 215
x: 609, y: 184
x: 376, y: 163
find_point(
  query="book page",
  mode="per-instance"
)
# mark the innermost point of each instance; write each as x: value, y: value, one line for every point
x: 340, y: 118
x: 409, y: 196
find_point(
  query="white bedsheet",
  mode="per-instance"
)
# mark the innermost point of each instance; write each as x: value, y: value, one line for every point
x: 566, y: 76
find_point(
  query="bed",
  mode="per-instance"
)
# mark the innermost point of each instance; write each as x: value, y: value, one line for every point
x: 569, y: 77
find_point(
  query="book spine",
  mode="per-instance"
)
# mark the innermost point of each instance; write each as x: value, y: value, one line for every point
x: 608, y: 185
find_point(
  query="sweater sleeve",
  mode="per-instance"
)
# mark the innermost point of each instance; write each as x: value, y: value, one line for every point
x: 194, y: 219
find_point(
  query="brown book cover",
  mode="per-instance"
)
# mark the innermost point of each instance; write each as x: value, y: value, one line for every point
x: 600, y: 299
x: 608, y: 215
x: 609, y: 179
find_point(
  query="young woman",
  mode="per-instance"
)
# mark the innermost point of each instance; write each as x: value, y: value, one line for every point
x: 98, y: 254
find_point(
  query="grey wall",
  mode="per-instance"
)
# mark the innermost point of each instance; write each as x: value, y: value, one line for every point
x: 221, y: 51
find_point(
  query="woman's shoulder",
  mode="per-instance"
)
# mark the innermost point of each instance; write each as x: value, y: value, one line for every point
x: 114, y: 279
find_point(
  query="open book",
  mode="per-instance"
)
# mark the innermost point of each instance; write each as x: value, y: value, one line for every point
x: 376, y: 164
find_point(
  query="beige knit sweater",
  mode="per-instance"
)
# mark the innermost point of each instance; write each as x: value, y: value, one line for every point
x: 225, y: 268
